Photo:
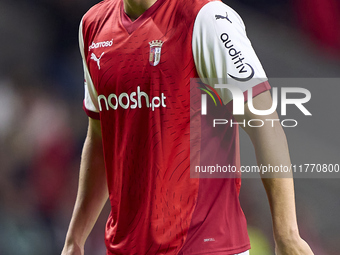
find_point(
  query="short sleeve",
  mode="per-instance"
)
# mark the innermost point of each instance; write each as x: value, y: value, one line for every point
x: 222, y: 50
x: 90, y: 104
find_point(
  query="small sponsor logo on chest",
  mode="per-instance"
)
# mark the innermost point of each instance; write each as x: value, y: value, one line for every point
x: 103, y: 44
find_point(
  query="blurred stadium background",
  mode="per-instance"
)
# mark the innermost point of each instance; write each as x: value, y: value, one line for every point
x: 42, y: 125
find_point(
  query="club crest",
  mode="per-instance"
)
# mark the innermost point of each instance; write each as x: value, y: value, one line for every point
x: 155, y: 52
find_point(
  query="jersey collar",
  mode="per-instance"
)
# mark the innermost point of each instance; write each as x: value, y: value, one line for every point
x: 131, y: 26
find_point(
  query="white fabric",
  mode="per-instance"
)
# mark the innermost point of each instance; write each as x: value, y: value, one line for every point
x: 221, y: 48
x: 91, y: 95
x: 243, y: 253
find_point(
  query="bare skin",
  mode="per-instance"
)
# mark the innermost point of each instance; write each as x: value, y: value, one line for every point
x: 135, y: 8
x: 270, y: 146
x: 92, y: 192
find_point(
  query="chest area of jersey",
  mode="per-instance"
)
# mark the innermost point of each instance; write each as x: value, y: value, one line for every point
x: 149, y: 55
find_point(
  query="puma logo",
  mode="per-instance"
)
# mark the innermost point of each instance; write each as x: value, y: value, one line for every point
x: 222, y: 17
x: 94, y: 57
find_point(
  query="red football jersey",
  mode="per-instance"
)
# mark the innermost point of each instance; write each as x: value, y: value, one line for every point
x: 137, y: 82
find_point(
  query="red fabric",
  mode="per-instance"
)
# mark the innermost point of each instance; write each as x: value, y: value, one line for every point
x: 91, y: 114
x: 258, y: 89
x: 132, y: 26
x: 156, y: 208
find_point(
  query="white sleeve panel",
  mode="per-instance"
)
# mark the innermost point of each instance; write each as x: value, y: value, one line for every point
x: 222, y: 50
x: 90, y: 99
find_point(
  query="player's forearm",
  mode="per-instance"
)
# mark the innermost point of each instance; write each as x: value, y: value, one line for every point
x: 271, y: 149
x: 280, y: 194
x: 92, y: 189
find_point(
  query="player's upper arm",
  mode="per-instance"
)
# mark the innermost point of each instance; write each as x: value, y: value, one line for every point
x: 262, y: 101
x: 222, y: 50
x: 94, y: 128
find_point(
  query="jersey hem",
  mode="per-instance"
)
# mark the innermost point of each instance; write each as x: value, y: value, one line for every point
x: 223, y: 251
x: 91, y: 114
x: 258, y: 89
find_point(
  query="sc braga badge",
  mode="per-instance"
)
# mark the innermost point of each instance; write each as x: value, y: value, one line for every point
x: 155, y: 52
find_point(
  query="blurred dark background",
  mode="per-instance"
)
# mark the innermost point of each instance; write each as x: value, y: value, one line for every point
x: 42, y: 125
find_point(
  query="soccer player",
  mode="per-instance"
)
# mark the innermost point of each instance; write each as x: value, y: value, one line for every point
x: 138, y: 58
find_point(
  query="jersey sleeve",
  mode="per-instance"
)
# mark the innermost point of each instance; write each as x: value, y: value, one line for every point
x: 222, y: 50
x: 90, y: 104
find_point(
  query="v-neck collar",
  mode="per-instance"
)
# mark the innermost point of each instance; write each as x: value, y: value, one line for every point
x: 131, y: 26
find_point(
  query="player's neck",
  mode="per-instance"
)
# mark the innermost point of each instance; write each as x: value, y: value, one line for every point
x: 135, y: 8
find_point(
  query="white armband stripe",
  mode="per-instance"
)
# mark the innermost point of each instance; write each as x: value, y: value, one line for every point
x: 90, y: 99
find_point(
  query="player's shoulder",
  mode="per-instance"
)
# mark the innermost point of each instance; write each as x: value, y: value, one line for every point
x: 189, y: 9
x: 98, y: 11
x: 217, y: 10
